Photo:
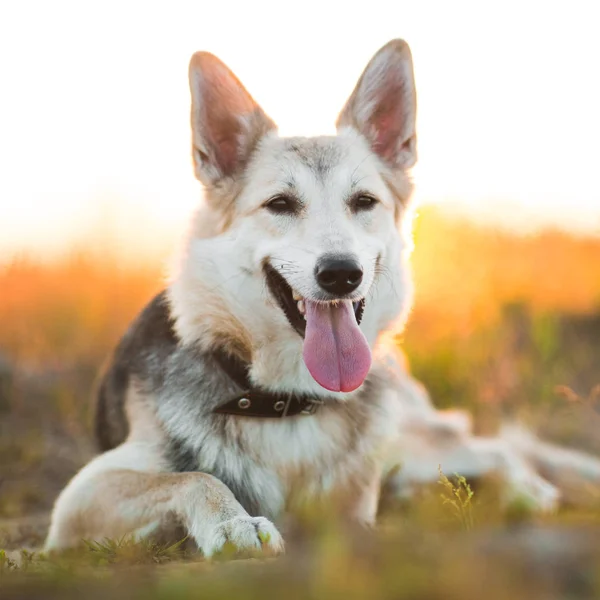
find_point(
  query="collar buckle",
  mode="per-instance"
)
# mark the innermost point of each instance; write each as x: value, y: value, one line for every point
x: 311, y: 407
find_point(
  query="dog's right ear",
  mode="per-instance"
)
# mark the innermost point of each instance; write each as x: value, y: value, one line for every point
x: 383, y: 106
x: 227, y: 123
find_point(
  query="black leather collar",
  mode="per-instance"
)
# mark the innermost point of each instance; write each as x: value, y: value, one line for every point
x: 256, y: 402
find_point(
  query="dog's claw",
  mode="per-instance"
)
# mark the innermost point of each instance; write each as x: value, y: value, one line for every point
x: 243, y: 534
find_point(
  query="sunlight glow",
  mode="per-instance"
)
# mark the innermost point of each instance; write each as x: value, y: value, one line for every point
x: 94, y: 111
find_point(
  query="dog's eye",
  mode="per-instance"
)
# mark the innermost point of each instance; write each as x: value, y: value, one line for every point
x: 363, y: 202
x: 282, y: 205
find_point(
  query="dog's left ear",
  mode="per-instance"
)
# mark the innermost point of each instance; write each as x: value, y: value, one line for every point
x: 383, y: 106
x: 227, y: 123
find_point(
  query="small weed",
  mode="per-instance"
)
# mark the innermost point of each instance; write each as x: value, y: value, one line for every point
x: 6, y: 564
x: 459, y: 496
x: 592, y: 401
x: 27, y: 559
x: 265, y: 537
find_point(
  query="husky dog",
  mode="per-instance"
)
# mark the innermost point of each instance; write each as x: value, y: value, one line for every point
x: 262, y: 375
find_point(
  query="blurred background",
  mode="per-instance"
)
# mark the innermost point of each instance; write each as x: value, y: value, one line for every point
x: 96, y: 187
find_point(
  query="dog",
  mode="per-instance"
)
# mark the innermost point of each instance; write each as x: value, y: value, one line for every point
x: 264, y: 374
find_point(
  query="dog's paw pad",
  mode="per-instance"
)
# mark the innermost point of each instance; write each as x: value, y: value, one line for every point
x: 243, y: 534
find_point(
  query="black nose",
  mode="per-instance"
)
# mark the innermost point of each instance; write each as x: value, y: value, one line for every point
x: 338, y: 276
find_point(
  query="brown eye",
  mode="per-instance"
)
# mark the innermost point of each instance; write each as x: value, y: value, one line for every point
x: 282, y: 205
x: 363, y: 202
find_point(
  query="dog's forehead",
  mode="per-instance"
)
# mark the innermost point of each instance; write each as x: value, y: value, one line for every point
x: 320, y: 155
x: 344, y: 156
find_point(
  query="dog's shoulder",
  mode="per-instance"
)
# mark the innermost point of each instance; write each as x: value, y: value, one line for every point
x: 141, y: 353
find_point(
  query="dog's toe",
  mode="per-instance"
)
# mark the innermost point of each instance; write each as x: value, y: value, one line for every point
x: 244, y: 534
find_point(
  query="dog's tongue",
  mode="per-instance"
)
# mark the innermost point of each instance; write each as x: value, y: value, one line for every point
x: 336, y: 351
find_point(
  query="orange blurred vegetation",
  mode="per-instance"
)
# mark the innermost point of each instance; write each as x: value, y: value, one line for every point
x: 71, y: 310
x: 465, y: 274
x: 76, y: 308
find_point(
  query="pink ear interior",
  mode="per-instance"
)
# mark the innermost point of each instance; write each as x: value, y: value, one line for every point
x: 390, y: 120
x: 225, y: 104
x: 383, y: 104
x: 226, y: 121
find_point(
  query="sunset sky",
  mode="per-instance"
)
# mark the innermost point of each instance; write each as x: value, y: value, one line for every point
x: 94, y: 119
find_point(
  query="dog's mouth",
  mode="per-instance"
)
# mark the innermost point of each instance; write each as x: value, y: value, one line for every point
x: 335, y: 351
x: 294, y: 305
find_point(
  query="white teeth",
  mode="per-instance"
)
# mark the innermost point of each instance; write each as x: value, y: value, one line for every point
x: 301, y: 307
x: 296, y: 295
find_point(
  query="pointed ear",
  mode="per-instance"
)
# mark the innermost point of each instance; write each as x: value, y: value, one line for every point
x: 227, y: 123
x: 383, y: 106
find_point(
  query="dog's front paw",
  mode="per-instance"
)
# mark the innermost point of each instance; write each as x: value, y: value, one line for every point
x: 540, y: 495
x: 244, y: 533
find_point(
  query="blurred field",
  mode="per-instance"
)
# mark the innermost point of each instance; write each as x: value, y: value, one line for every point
x: 500, y: 324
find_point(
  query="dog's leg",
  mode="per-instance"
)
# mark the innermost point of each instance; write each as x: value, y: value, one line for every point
x: 423, y: 453
x: 574, y: 472
x: 361, y: 498
x: 119, y: 493
x: 429, y: 439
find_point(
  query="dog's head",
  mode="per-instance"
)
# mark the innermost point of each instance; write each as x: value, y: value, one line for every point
x: 295, y: 259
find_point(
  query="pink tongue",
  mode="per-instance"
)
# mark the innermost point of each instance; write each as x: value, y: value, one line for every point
x: 336, y: 351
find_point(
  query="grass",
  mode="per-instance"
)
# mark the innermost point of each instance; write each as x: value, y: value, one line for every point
x: 459, y: 497
x: 504, y: 326
x: 424, y: 552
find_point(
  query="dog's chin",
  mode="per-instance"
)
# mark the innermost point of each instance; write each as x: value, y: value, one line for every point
x: 291, y: 303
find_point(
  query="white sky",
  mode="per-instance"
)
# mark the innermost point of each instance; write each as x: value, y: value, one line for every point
x: 94, y: 104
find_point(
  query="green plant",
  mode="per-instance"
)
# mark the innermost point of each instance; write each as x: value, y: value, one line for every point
x: 459, y: 496
x: 6, y: 564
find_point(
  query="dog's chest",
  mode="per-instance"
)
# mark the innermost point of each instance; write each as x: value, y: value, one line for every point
x: 270, y: 464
